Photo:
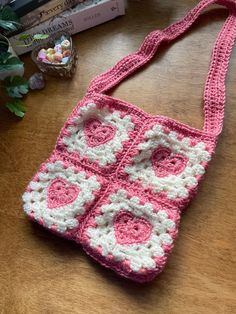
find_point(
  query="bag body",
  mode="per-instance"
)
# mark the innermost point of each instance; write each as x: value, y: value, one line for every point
x: 119, y: 178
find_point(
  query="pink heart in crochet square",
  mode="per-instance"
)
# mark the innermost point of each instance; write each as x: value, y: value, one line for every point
x: 130, y: 229
x: 97, y: 133
x: 61, y: 193
x: 166, y: 163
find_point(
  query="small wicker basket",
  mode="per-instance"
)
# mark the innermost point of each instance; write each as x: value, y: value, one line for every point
x: 60, y: 70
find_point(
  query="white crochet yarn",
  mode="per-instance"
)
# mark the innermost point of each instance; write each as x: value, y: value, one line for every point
x: 64, y: 217
x: 174, y: 185
x: 104, y: 154
x: 139, y: 255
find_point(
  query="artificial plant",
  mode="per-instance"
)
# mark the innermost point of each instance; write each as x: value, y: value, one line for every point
x: 14, y: 86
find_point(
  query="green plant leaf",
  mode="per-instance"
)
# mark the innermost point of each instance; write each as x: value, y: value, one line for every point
x: 17, y: 107
x: 40, y: 36
x: 4, y: 56
x: 3, y: 46
x: 9, y: 26
x: 16, y: 86
x: 14, y: 60
x: 8, y: 14
x: 8, y: 19
x: 10, y: 63
x: 35, y: 37
x: 24, y: 36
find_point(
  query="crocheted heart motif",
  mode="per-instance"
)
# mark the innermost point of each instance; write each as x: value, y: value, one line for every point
x: 130, y: 229
x: 97, y: 133
x: 166, y: 163
x: 61, y: 193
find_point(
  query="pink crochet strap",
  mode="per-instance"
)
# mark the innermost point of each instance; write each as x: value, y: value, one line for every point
x: 214, y: 95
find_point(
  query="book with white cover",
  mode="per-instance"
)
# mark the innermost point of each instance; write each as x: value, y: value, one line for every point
x: 74, y: 20
x: 46, y: 11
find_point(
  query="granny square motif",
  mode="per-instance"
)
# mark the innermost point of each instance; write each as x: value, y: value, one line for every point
x: 119, y: 178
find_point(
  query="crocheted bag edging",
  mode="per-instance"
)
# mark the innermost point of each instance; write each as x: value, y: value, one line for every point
x: 118, y: 177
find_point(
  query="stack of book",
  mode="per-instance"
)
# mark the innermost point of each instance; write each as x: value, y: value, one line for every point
x: 51, y: 16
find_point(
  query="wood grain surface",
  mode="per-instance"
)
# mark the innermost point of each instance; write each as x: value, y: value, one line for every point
x: 42, y: 273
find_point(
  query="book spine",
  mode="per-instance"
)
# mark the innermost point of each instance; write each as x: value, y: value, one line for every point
x: 46, y: 11
x: 72, y: 21
x: 22, y: 7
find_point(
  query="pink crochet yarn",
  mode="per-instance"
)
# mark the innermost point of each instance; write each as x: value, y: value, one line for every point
x: 124, y: 222
x: 97, y: 133
x: 61, y: 193
x: 165, y: 162
x: 118, y: 177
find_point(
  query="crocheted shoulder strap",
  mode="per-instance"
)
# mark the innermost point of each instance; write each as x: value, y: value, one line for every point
x: 214, y: 95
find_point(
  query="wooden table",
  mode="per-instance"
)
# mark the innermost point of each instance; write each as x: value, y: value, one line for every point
x: 41, y: 273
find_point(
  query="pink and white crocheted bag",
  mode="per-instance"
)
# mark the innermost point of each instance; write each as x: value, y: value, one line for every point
x: 118, y: 177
